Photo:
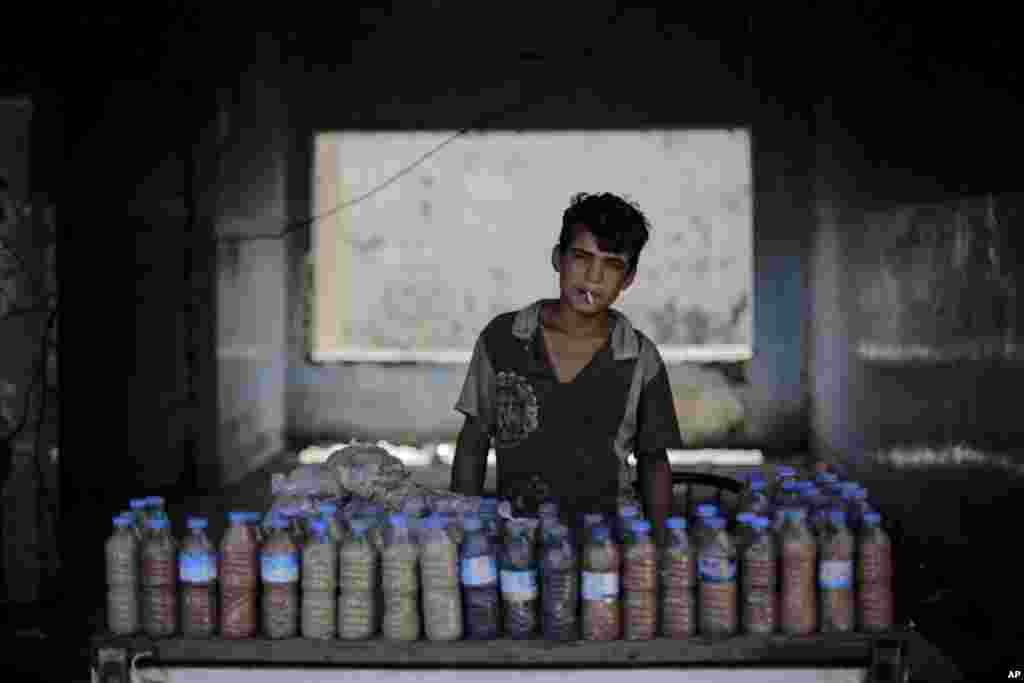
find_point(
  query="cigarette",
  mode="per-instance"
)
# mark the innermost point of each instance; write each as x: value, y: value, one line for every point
x: 589, y: 297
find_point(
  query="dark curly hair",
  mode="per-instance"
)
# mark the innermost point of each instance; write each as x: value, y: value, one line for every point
x: 617, y: 224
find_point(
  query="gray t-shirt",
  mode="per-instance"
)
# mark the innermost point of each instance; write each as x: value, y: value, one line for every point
x: 568, y: 441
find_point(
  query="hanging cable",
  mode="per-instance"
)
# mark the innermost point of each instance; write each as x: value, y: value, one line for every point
x: 483, y: 121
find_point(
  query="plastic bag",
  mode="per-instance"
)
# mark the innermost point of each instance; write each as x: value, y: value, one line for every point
x: 310, y: 481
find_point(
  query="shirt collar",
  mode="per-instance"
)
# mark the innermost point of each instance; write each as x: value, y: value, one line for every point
x: 623, y: 342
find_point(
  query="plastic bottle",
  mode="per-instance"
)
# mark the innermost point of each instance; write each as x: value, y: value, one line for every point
x: 560, y: 586
x: 439, y: 576
x: 601, y: 609
x: 490, y: 519
x: 754, y: 498
x: 640, y: 583
x: 279, y: 571
x: 294, y: 525
x: 703, y: 512
x: 139, y: 515
x: 374, y: 516
x: 825, y: 480
x: 479, y: 574
x: 677, y: 581
x: 197, y: 566
x: 358, y: 565
x: 859, y: 507
x: 328, y: 512
x: 716, y: 567
x: 627, y: 513
x: 742, y: 529
x: 239, y: 578
x: 874, y: 576
x: 400, y: 582
x: 122, y: 557
x: 798, y: 609
x: 156, y: 508
x: 759, y: 580
x: 837, y: 548
x: 816, y: 507
x: 783, y: 473
x: 519, y: 586
x: 159, y: 597
x: 319, y: 583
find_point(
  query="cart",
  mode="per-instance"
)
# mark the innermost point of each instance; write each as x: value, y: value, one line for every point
x: 897, y: 656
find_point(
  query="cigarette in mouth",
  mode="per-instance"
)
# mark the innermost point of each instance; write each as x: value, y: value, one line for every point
x: 589, y: 297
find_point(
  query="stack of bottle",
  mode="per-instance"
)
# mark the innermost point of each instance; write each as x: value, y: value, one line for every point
x: 796, y: 556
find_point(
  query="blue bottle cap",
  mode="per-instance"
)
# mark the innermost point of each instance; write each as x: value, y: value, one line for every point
x: 472, y: 523
x: 433, y: 522
x: 715, y: 522
x: 157, y: 500
x: 317, y: 526
x: 137, y: 503
x: 196, y: 523
x: 760, y: 523
x: 121, y: 520
x: 707, y: 510
x: 640, y: 526
x: 398, y: 520
x: 157, y: 523
x: 745, y: 518
x: 675, y: 523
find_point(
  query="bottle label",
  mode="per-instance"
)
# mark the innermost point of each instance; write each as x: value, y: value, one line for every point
x: 835, y: 574
x: 479, y: 571
x: 519, y: 586
x: 280, y: 567
x: 716, y: 569
x: 600, y: 586
x: 197, y: 566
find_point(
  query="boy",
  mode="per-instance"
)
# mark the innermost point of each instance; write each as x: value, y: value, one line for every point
x: 567, y: 388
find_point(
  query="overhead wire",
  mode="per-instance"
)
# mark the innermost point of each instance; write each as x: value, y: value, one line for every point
x: 405, y: 170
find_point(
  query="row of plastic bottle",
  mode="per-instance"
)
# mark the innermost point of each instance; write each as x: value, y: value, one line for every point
x: 532, y: 579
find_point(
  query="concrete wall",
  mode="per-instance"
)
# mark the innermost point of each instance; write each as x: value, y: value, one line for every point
x: 815, y: 172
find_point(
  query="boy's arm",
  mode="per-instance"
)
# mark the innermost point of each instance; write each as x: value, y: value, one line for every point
x: 469, y: 468
x: 654, y: 475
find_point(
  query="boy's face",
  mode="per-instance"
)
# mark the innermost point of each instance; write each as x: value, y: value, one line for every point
x: 584, y: 267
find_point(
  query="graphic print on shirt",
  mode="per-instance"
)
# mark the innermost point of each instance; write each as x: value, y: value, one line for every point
x: 516, y: 411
